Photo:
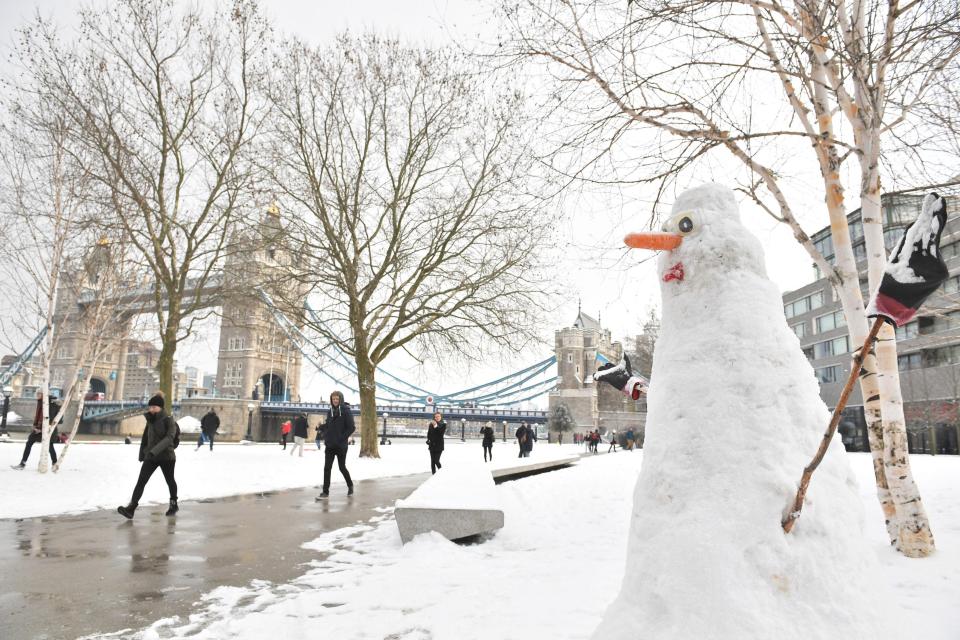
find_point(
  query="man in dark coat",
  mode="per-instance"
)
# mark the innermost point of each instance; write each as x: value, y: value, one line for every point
x: 522, y: 438
x: 209, y: 425
x: 156, y: 451
x: 336, y: 431
x: 488, y: 438
x: 36, y: 434
x: 435, y: 431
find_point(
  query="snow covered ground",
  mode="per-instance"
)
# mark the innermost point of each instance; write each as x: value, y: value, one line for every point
x: 549, y: 573
x: 101, y: 476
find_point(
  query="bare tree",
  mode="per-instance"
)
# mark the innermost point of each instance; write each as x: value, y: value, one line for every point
x: 407, y: 186
x: 162, y: 111
x: 561, y: 421
x: 694, y: 76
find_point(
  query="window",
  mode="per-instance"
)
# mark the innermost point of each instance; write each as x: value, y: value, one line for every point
x: 835, y: 347
x: 952, y: 284
x: 950, y: 250
x: 799, y: 329
x: 235, y: 344
x: 570, y: 358
x: 825, y: 246
x: 856, y: 229
x: 830, y: 321
x: 891, y: 237
x: 909, y: 330
x: 859, y: 252
x: 62, y: 353
x: 826, y: 375
x: 803, y: 305
x: 909, y: 361
x: 232, y: 375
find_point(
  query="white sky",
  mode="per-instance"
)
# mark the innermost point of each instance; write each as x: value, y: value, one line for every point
x: 610, y: 281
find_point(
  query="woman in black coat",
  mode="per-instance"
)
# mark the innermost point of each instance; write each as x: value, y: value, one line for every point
x: 435, y: 440
x: 488, y: 437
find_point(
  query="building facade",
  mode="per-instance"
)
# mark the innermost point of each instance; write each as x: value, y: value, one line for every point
x: 928, y: 347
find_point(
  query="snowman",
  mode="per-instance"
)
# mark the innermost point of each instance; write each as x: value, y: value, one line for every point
x: 734, y: 414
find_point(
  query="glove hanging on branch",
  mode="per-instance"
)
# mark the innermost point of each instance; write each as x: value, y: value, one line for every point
x: 622, y: 378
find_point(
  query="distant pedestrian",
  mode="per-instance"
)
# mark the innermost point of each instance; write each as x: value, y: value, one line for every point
x: 336, y: 431
x: 284, y: 432
x: 488, y: 437
x: 521, y: 435
x: 435, y: 431
x: 156, y: 450
x: 208, y: 428
x: 300, y: 427
x: 613, y: 442
x: 531, y: 438
x: 36, y: 434
x: 630, y: 438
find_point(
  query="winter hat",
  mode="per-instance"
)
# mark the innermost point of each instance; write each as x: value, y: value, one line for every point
x: 156, y: 400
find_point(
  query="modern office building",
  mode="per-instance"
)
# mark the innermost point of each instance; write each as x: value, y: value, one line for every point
x: 928, y: 347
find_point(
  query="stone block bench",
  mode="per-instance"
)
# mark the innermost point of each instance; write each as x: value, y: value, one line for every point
x: 523, y: 467
x: 457, y: 502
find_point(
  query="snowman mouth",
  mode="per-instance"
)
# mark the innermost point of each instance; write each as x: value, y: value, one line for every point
x: 674, y: 273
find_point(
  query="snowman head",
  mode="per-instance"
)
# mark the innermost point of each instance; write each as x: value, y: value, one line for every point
x: 702, y: 239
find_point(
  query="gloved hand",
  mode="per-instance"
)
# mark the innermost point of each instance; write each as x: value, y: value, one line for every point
x: 621, y: 377
x: 150, y: 456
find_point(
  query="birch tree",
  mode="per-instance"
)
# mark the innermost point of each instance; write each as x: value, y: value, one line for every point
x: 161, y: 105
x: 694, y: 76
x: 406, y: 182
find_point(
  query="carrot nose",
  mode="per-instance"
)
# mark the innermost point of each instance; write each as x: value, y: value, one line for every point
x: 654, y: 240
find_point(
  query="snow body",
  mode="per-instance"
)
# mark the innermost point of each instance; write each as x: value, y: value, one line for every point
x: 734, y: 414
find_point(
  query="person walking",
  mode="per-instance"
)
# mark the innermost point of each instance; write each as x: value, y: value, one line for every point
x: 613, y: 442
x: 284, y: 432
x: 435, y: 432
x: 488, y: 437
x: 336, y: 431
x: 300, y: 428
x: 156, y: 451
x: 630, y: 438
x: 521, y: 435
x: 36, y: 434
x: 209, y: 424
x: 531, y: 438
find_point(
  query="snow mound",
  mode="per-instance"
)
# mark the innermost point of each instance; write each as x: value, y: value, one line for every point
x: 188, y: 424
x: 734, y: 415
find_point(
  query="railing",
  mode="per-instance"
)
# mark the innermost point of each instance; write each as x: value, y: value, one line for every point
x: 452, y: 413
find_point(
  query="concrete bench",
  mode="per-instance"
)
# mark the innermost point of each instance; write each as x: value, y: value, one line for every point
x: 457, y: 502
x: 530, y: 466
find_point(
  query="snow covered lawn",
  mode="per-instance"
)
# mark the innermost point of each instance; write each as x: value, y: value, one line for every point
x: 549, y: 573
x: 101, y: 476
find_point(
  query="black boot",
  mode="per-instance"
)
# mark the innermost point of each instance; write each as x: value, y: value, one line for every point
x: 173, y: 507
x: 127, y: 511
x: 323, y: 495
x: 350, y: 490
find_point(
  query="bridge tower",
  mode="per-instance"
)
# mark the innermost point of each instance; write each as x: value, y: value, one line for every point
x: 256, y: 358
x: 579, y: 349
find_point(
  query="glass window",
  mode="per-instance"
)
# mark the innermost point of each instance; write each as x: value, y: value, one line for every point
x: 907, y: 331
x: 859, y: 252
x: 952, y: 285
x: 799, y: 329
x: 825, y: 246
x: 856, y: 229
x: 827, y: 375
x: 831, y: 321
x: 840, y: 345
x: 891, y: 237
x: 909, y: 361
x: 822, y: 350
x: 816, y: 300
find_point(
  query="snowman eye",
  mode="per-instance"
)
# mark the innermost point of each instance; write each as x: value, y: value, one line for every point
x: 685, y: 224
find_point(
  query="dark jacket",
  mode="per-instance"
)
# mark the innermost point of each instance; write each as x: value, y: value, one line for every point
x: 300, y: 426
x: 210, y: 423
x: 338, y: 427
x: 158, y: 437
x: 435, y: 435
x: 488, y: 436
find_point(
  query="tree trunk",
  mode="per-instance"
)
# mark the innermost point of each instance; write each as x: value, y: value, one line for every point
x: 167, y: 359
x: 366, y: 372
x: 81, y: 400
x: 909, y: 528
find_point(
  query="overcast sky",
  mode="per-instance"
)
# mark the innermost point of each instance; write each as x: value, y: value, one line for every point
x: 619, y: 286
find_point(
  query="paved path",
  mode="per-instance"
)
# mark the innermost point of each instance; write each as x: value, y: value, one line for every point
x: 70, y: 576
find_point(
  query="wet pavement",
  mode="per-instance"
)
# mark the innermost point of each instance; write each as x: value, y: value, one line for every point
x: 70, y: 576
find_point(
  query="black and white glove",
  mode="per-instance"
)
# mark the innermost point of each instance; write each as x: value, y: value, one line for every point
x: 622, y: 378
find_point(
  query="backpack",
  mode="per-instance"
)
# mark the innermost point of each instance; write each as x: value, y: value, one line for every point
x: 176, y: 434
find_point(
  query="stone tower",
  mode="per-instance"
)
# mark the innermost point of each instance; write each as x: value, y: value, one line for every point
x: 580, y: 349
x: 256, y: 358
